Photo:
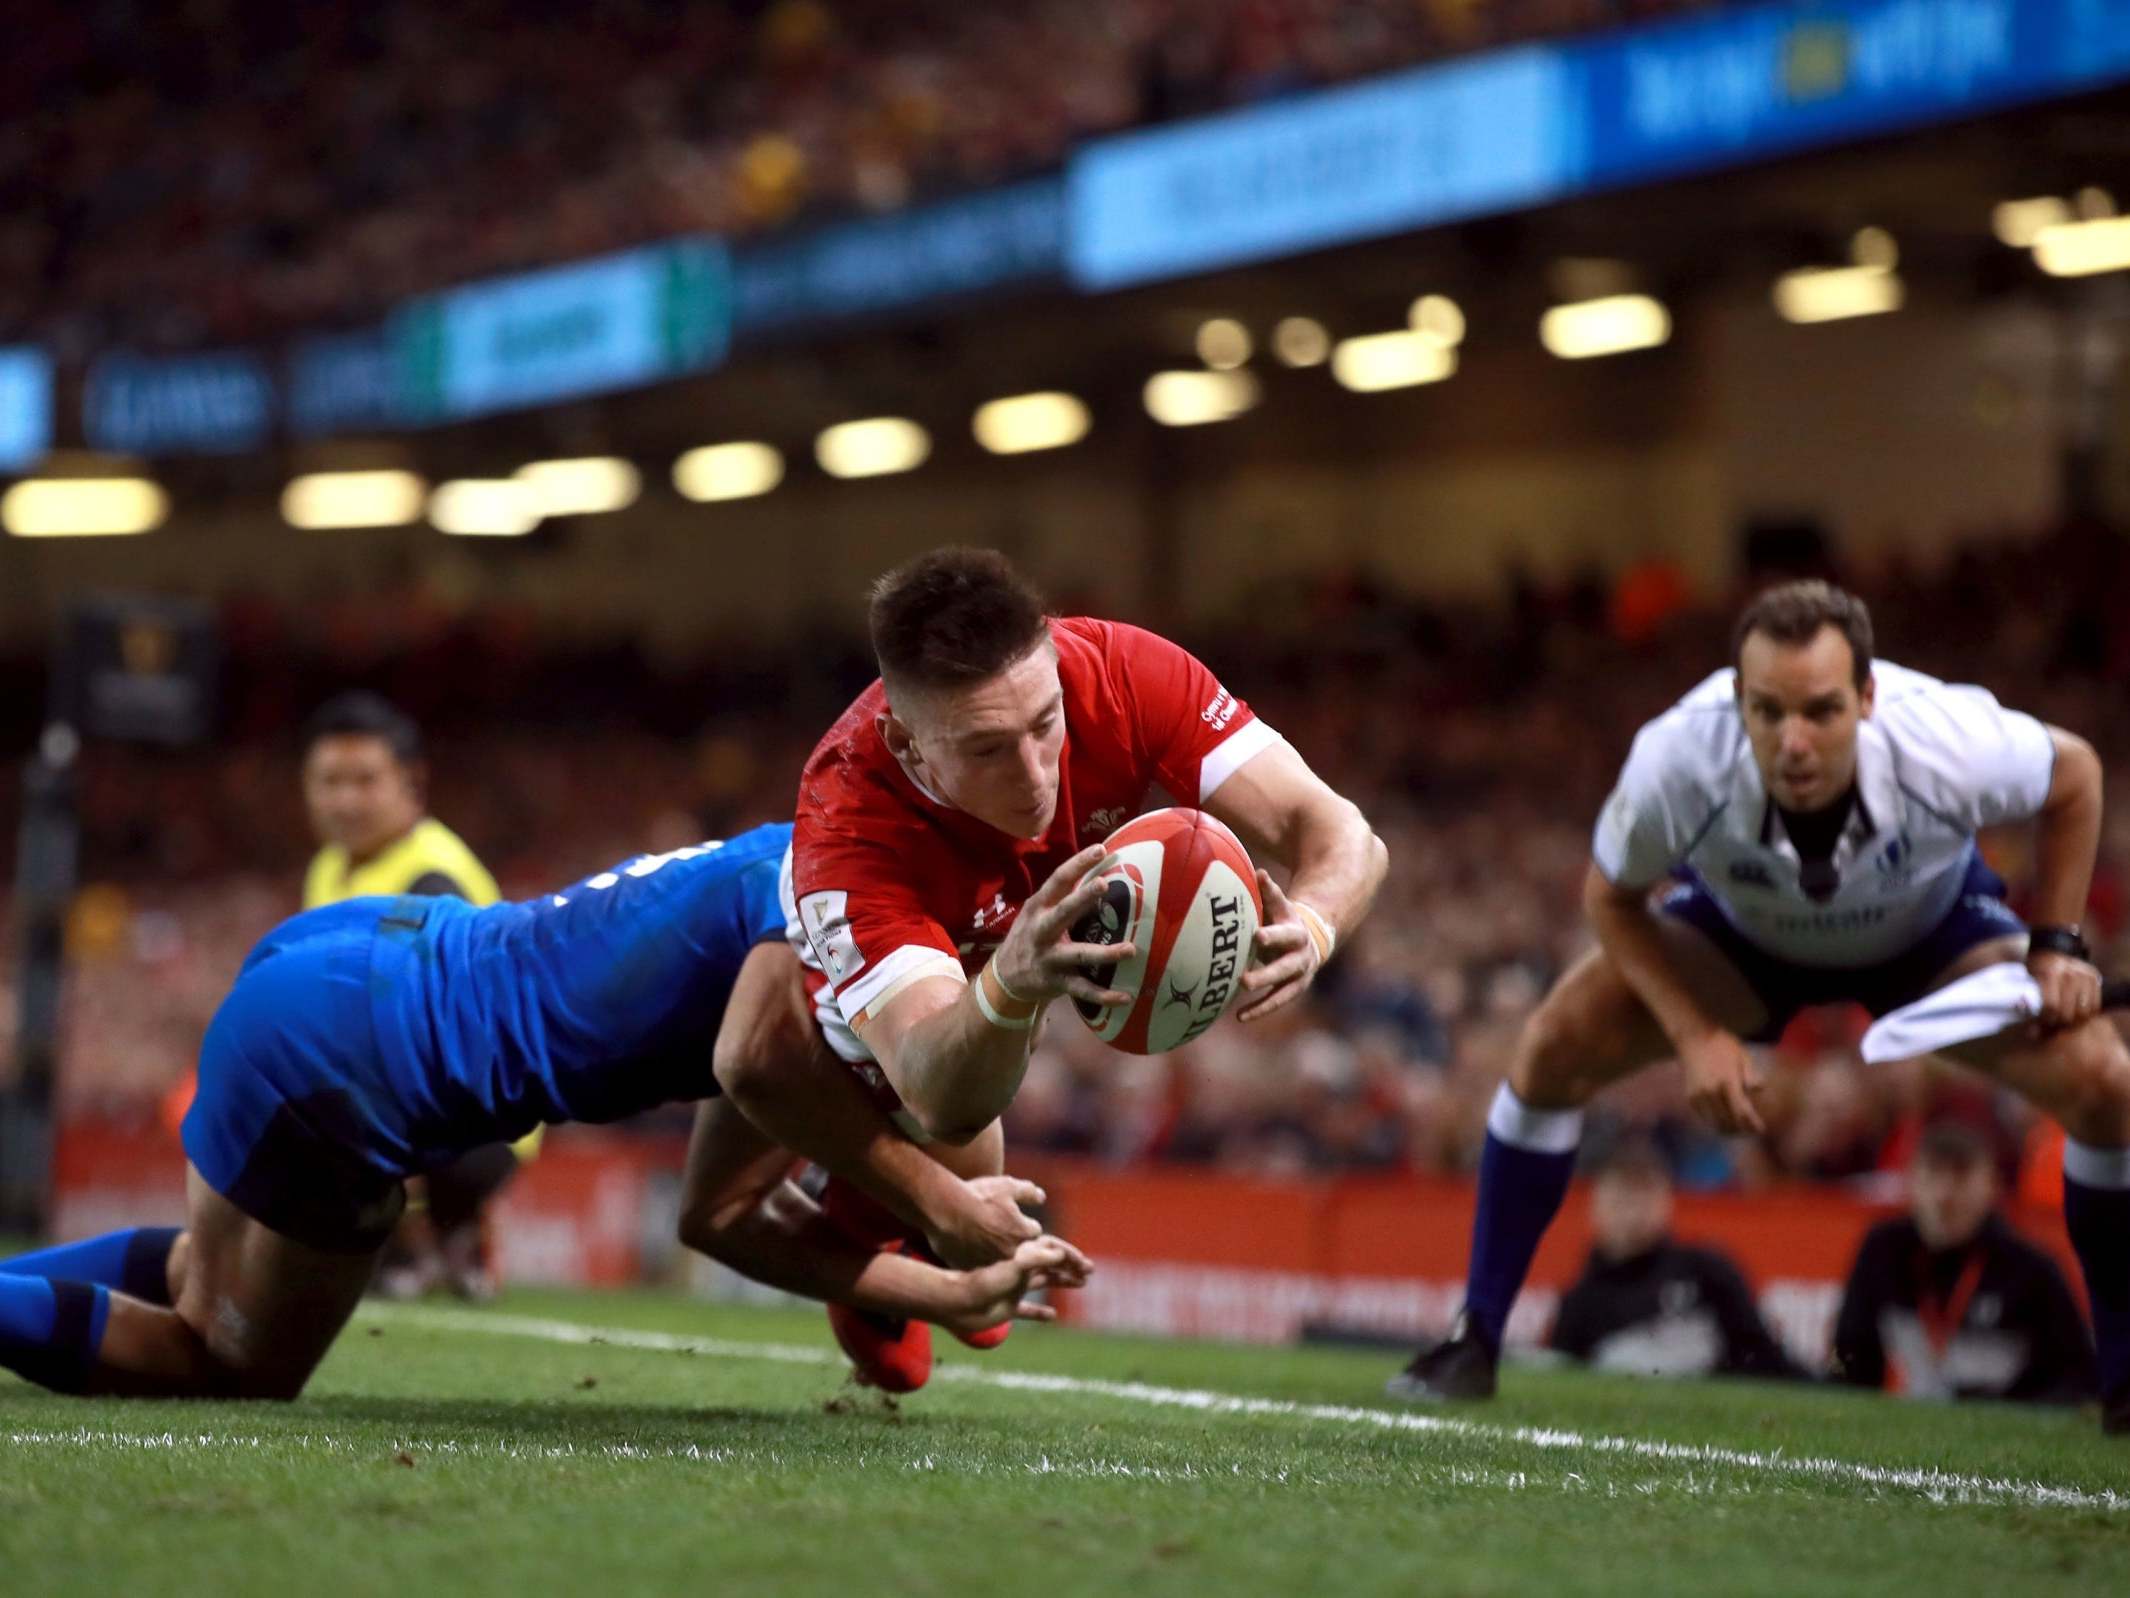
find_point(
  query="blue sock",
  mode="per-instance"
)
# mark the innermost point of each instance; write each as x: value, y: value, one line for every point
x: 2096, y: 1212
x: 50, y: 1331
x: 134, y: 1261
x: 1523, y: 1177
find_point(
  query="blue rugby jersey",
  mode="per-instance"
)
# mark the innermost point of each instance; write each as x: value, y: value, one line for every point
x: 590, y: 1004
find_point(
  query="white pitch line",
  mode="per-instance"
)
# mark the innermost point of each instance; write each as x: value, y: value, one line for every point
x: 1935, y: 1486
x: 420, y: 1450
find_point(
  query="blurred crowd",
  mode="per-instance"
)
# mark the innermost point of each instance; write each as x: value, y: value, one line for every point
x: 1480, y: 743
x: 230, y: 170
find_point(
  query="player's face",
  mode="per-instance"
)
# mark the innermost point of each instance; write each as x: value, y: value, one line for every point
x: 1951, y: 1201
x: 1630, y: 1211
x: 992, y: 749
x: 359, y: 793
x: 1801, y: 707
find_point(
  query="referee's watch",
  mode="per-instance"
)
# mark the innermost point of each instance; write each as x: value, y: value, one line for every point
x: 2058, y: 940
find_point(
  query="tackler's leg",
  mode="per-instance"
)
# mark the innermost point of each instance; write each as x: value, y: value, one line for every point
x: 255, y: 1314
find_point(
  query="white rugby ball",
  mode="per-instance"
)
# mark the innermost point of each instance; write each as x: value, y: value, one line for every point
x: 1179, y: 887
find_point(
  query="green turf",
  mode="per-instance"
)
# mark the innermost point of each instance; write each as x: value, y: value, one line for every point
x: 447, y: 1459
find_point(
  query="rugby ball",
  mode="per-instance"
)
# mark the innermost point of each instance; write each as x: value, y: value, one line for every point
x: 1179, y: 887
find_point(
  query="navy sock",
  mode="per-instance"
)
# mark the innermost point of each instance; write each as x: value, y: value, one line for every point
x: 1523, y: 1177
x: 50, y: 1331
x: 2096, y: 1212
x: 134, y: 1261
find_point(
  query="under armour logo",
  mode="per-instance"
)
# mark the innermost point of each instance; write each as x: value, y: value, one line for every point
x: 992, y: 914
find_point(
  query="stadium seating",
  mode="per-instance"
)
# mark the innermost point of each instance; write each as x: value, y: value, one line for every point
x: 269, y: 174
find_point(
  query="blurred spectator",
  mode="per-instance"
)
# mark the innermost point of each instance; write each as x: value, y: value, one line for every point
x: 1647, y: 1305
x: 246, y: 168
x: 1950, y: 1302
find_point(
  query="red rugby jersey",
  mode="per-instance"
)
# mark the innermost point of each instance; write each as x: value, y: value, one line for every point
x: 885, y: 884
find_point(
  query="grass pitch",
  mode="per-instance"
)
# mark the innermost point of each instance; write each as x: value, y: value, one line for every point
x: 625, y: 1443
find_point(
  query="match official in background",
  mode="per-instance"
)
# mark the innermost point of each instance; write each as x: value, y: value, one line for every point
x: 364, y: 784
x: 1950, y: 1302
x: 1647, y: 1305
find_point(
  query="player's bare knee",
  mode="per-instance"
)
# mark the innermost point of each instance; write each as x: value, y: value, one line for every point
x: 2093, y: 1084
x: 1553, y: 1055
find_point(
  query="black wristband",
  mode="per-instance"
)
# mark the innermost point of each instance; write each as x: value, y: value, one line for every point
x: 2058, y: 940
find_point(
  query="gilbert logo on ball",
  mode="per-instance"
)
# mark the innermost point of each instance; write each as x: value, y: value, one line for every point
x: 1180, y: 888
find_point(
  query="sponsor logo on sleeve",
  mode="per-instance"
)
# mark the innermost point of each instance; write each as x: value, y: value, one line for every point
x: 1221, y: 711
x: 826, y: 917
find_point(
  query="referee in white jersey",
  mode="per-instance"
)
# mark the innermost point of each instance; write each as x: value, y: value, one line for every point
x: 1817, y: 814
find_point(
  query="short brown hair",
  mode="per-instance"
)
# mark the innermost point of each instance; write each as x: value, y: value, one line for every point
x: 954, y: 616
x: 1794, y: 613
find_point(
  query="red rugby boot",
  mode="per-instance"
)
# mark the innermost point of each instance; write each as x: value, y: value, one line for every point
x: 987, y: 1339
x: 886, y: 1352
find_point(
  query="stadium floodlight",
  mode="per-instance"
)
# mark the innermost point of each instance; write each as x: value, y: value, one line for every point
x: 738, y: 470
x: 380, y: 498
x: 1024, y: 422
x: 1192, y: 399
x: 1611, y: 325
x: 873, y: 447
x: 1223, y: 343
x: 83, y: 507
x: 1401, y: 359
x: 1874, y: 248
x: 1830, y: 294
x: 1301, y: 341
x: 1437, y: 317
x: 2018, y: 223
x: 2080, y: 249
x: 484, y: 507
x: 589, y: 485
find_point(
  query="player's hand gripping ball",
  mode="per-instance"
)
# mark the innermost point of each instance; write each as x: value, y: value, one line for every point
x: 1179, y: 887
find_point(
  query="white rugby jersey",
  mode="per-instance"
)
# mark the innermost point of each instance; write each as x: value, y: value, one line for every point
x: 1935, y: 762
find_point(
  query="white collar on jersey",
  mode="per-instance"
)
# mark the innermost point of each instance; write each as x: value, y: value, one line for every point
x: 1878, y: 808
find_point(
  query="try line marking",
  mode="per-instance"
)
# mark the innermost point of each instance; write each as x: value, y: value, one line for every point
x: 1935, y: 1486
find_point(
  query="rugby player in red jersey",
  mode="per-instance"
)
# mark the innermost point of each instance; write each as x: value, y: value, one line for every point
x: 945, y: 825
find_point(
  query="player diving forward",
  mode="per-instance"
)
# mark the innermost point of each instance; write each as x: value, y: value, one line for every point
x: 375, y: 1038
x: 1820, y: 813
x: 945, y: 825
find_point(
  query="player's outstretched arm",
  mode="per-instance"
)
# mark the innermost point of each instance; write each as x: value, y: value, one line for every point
x: 772, y: 1065
x: 1720, y: 1081
x: 743, y: 1212
x: 1335, y: 863
x: 956, y: 1051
